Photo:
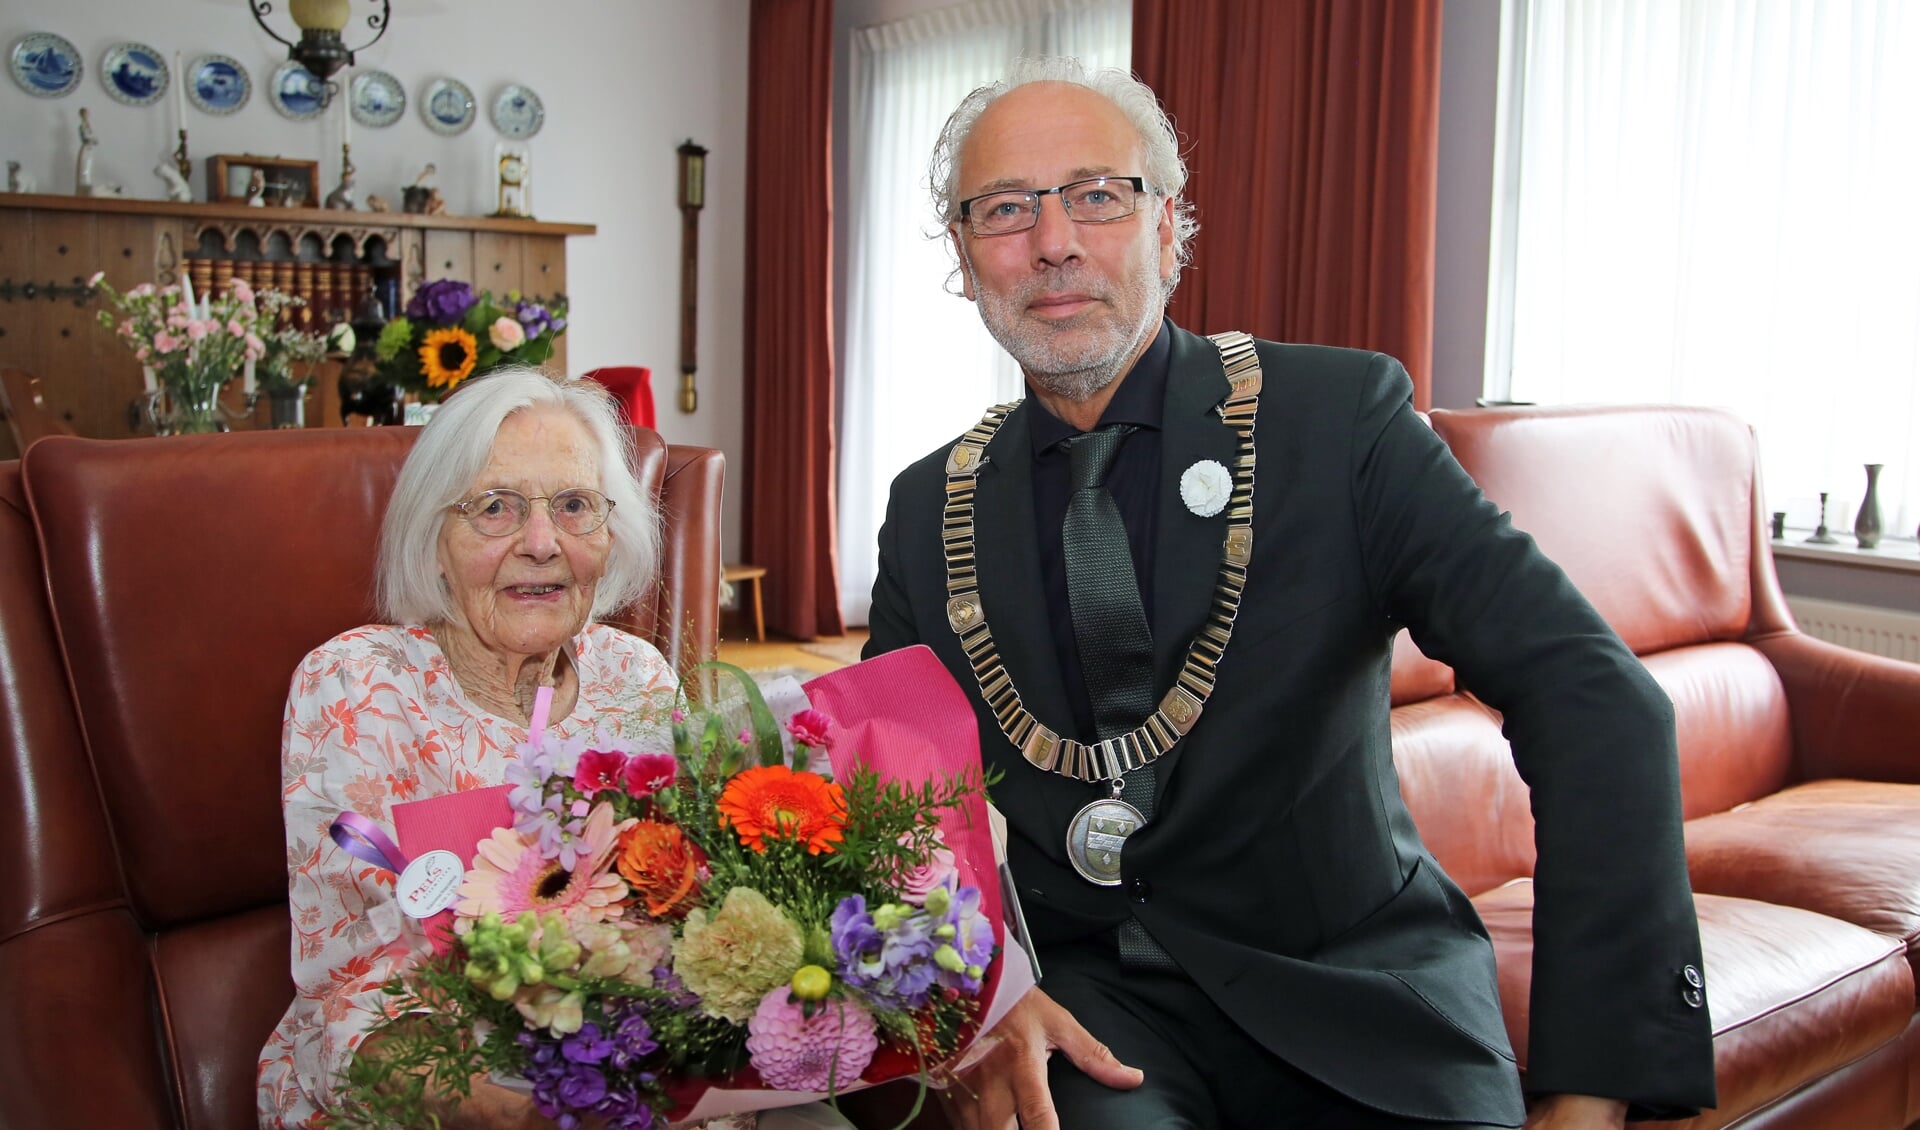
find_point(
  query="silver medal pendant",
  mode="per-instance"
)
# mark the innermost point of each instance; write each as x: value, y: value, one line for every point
x: 1095, y: 836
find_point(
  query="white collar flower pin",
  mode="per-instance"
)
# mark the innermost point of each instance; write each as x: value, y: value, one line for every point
x: 1205, y: 487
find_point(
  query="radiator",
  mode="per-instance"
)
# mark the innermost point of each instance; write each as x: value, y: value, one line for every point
x: 1881, y: 631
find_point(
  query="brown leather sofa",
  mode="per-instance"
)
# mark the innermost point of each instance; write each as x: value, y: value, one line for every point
x: 1800, y: 761
x: 155, y: 598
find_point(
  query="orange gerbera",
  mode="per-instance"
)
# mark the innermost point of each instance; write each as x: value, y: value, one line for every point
x: 447, y: 356
x: 774, y: 801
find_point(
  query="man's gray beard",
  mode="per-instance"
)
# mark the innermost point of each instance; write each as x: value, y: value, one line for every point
x: 1074, y: 378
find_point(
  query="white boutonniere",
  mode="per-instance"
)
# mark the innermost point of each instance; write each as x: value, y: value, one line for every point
x: 1205, y: 487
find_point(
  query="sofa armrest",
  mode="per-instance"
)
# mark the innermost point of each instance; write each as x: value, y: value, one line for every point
x: 1854, y: 715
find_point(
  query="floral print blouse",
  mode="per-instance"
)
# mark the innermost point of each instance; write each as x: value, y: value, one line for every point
x: 374, y: 717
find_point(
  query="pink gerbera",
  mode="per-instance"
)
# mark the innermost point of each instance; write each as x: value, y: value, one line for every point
x: 509, y: 876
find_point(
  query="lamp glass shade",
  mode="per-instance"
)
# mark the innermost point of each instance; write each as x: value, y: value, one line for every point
x: 320, y: 15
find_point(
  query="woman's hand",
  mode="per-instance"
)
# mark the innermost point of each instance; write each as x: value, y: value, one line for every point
x: 1009, y: 1086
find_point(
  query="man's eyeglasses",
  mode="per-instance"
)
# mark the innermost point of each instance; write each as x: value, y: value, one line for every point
x: 498, y: 513
x: 1096, y: 200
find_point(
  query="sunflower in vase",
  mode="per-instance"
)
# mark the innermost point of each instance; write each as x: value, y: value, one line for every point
x: 450, y: 333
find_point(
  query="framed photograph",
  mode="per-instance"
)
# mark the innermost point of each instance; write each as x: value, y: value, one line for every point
x: 283, y: 183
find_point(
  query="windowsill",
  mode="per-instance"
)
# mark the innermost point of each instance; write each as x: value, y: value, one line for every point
x: 1898, y: 555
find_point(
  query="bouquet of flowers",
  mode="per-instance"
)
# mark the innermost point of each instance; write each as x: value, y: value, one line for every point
x: 287, y: 345
x: 192, y: 347
x: 652, y: 934
x: 451, y: 332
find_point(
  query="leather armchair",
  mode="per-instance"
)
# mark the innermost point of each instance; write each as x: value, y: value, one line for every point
x: 155, y: 597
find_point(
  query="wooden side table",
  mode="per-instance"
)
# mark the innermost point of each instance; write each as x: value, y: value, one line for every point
x: 751, y: 574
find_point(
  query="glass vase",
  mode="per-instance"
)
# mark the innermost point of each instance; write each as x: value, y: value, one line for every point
x: 194, y: 413
x: 288, y: 407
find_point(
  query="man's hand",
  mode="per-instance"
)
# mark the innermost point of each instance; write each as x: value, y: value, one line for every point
x: 1009, y: 1086
x: 1576, y: 1112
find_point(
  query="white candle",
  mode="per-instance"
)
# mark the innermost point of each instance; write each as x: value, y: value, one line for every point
x: 186, y: 290
x: 246, y: 377
x: 146, y: 374
x: 179, y: 91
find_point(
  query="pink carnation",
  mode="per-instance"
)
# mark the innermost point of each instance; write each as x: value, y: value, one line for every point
x: 256, y: 349
x: 142, y: 353
x: 178, y: 320
x: 811, y: 728
x: 141, y: 291
x: 94, y: 279
x: 597, y: 770
x: 794, y: 1053
x: 648, y: 773
x: 242, y: 291
x: 235, y: 328
x: 166, y: 342
x: 506, y: 334
x: 198, y: 329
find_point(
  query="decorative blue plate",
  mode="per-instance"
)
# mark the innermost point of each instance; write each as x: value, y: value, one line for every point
x: 47, y: 65
x: 134, y: 73
x: 295, y: 92
x: 218, y: 84
x: 378, y: 99
x: 448, y: 106
x: 518, y: 112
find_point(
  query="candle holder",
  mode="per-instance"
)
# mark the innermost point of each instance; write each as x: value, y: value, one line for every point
x: 180, y: 160
x: 341, y: 198
x: 1820, y: 534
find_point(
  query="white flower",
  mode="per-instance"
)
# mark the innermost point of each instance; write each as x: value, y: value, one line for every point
x: 1205, y: 487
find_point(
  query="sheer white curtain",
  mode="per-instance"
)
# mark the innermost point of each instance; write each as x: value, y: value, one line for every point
x: 1717, y: 206
x: 920, y: 368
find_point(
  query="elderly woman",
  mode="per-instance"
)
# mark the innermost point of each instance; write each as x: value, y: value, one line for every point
x: 516, y: 520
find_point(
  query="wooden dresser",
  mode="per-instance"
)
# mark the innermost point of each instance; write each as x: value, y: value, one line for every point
x: 51, y: 245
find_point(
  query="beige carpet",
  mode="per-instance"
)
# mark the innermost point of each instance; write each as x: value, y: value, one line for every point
x: 845, y: 650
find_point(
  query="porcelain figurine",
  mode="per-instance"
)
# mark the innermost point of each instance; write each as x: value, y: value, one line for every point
x: 177, y: 188
x: 19, y: 179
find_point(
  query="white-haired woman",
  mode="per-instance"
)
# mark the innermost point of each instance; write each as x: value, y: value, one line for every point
x: 515, y: 521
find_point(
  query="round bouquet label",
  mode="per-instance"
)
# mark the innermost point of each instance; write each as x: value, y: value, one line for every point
x: 429, y: 884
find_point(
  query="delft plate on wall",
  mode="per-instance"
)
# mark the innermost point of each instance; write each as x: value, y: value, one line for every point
x: 518, y: 113
x: 47, y: 65
x: 295, y: 92
x: 378, y: 99
x: 448, y: 106
x: 217, y: 84
x: 134, y: 73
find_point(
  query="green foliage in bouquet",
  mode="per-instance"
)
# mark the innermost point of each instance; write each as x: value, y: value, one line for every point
x: 450, y: 333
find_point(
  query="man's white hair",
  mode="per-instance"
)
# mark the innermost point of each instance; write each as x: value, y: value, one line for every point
x: 1165, y: 172
x: 453, y: 449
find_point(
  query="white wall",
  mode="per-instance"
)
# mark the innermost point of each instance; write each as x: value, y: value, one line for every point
x: 624, y: 82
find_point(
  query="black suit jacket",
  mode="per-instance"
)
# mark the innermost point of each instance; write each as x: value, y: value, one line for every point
x: 1282, y: 869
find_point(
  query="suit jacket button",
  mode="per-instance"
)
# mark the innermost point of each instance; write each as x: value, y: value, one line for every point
x: 1692, y: 975
x: 1139, y: 889
x: 1694, y: 998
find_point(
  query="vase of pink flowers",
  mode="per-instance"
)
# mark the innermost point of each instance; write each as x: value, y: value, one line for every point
x: 188, y: 349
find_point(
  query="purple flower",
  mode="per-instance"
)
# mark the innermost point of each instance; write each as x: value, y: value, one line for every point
x: 972, y: 940
x: 886, y: 954
x: 535, y: 318
x: 586, y: 1045
x: 582, y: 1087
x: 441, y: 302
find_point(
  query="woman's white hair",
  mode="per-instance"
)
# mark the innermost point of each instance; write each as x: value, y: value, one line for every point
x: 452, y: 451
x: 1165, y: 172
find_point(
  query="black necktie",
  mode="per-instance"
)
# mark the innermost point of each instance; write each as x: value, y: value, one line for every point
x: 1111, y: 633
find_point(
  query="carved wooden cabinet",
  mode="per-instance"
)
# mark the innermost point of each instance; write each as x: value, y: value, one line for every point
x: 51, y: 245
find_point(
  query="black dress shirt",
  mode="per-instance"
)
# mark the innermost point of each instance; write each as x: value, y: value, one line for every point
x: 1134, y: 482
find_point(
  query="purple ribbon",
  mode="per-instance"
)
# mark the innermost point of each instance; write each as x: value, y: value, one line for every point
x: 363, y: 839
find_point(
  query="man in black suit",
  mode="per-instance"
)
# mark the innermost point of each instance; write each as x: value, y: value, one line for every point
x: 1181, y: 667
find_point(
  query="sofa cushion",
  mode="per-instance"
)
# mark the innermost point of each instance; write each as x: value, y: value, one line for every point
x: 1793, y: 994
x: 1457, y: 777
x: 1846, y: 849
x: 1730, y: 715
x: 1649, y: 510
x: 223, y: 985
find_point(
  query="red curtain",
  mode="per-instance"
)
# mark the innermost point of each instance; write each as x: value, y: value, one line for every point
x: 1311, y: 130
x: 788, y: 498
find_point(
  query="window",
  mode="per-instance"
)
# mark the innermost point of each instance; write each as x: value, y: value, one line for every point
x: 1713, y: 202
x: 920, y: 368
